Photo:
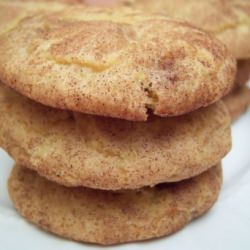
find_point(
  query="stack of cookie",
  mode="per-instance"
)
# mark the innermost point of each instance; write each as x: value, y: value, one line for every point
x: 116, y: 125
x: 228, y: 20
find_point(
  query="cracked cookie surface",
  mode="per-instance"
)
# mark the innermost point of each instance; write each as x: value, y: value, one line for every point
x: 115, y: 62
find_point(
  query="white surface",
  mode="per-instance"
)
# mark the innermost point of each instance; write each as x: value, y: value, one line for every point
x: 226, y: 226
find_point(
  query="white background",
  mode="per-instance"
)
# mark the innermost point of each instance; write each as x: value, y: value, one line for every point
x: 226, y: 226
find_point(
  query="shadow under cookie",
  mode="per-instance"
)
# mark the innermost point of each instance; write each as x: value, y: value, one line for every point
x: 243, y: 72
x: 237, y: 102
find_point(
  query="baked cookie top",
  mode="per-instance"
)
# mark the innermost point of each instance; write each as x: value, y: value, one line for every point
x: 74, y: 149
x: 228, y: 20
x: 115, y: 62
x: 106, y: 217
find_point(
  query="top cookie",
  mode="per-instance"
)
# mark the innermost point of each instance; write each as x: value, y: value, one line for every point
x: 228, y: 20
x: 115, y: 62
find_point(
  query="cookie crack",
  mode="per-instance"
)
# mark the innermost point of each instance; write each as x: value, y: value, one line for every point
x: 152, y: 97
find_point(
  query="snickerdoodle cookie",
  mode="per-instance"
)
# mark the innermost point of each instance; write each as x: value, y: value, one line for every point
x: 74, y: 149
x: 107, y: 217
x: 228, y: 20
x: 115, y: 62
